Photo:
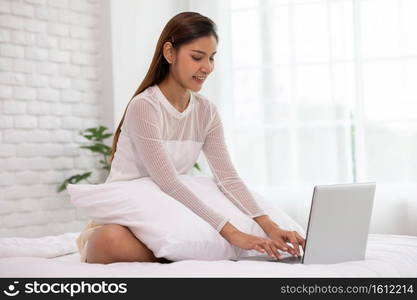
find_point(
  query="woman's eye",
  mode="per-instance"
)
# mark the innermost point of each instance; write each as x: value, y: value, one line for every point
x: 199, y: 58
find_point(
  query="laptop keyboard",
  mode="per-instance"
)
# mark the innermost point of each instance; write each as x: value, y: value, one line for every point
x: 287, y: 258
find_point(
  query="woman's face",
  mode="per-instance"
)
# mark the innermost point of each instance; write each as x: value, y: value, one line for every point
x: 193, y: 62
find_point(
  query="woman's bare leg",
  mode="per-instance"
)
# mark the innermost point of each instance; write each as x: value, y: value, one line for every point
x: 115, y: 243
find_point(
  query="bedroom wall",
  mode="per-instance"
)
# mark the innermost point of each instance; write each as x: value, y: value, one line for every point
x: 49, y: 90
x: 65, y: 65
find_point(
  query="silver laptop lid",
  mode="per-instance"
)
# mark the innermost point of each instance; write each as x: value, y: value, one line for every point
x: 339, y: 222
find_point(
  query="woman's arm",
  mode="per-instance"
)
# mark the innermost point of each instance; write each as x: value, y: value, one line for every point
x: 220, y: 163
x: 282, y: 236
x: 252, y: 242
x: 235, y: 189
x: 266, y: 223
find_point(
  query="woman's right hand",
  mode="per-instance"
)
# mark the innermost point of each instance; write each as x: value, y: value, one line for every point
x: 251, y: 242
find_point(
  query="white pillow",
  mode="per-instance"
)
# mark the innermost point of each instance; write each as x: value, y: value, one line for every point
x: 165, y: 225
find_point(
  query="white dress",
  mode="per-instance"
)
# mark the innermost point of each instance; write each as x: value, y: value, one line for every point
x: 159, y: 142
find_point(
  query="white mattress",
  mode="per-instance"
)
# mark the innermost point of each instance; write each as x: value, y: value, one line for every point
x: 386, y: 256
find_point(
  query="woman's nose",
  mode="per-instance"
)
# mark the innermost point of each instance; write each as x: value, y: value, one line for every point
x: 207, y: 67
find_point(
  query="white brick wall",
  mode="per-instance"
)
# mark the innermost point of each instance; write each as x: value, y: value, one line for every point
x: 49, y: 90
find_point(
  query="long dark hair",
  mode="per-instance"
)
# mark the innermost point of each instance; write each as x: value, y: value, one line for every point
x: 181, y: 29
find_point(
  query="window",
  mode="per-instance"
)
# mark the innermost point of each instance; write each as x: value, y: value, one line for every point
x: 324, y: 92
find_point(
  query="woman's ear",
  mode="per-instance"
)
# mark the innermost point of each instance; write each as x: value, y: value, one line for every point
x: 169, y: 52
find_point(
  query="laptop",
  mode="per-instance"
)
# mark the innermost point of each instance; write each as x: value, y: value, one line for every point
x: 338, y: 225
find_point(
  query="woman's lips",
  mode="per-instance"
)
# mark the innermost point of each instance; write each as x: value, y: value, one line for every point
x: 199, y: 79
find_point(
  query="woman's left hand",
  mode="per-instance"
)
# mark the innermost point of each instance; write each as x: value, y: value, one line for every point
x: 286, y: 236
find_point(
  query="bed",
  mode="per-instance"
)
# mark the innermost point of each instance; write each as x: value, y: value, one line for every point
x: 57, y: 256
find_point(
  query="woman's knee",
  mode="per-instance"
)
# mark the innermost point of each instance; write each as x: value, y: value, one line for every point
x: 115, y: 243
x: 101, y: 244
x: 104, y: 244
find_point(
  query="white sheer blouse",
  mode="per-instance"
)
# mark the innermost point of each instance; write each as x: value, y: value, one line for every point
x: 158, y: 141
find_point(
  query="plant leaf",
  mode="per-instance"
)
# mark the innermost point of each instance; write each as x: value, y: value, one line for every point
x: 73, y: 180
x: 197, y: 167
x: 98, y: 148
x: 96, y: 134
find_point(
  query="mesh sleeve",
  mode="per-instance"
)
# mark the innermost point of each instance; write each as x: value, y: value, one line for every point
x: 226, y: 177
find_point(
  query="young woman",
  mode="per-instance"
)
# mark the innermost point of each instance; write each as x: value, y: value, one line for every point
x: 165, y: 126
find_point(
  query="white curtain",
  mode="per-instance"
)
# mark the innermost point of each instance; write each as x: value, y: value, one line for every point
x: 320, y: 92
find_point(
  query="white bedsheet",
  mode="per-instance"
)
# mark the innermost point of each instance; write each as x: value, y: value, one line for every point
x: 386, y: 256
x: 46, y: 247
